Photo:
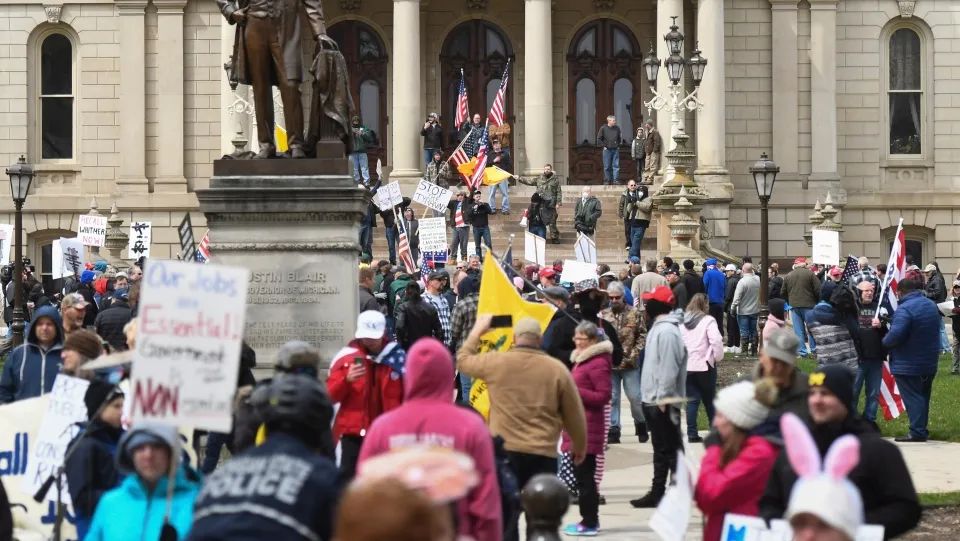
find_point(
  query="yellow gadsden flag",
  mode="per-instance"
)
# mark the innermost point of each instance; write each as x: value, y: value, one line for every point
x: 491, y: 175
x: 499, y: 297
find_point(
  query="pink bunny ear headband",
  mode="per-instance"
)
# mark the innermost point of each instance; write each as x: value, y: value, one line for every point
x: 822, y: 488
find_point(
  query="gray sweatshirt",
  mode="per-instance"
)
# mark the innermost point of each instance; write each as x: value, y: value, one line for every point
x: 746, y: 298
x: 609, y: 137
x: 664, y: 373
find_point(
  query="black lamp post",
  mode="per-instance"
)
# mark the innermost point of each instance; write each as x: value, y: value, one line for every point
x: 764, y: 173
x: 21, y: 175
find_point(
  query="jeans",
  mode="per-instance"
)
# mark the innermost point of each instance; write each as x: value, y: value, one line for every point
x: 944, y: 343
x: 733, y: 332
x: 636, y: 238
x: 391, y: 233
x: 640, y: 166
x: 211, y: 454
x: 955, y: 369
x: 524, y: 467
x: 701, y: 386
x: 428, y: 156
x: 869, y: 373
x: 915, y: 392
x: 502, y: 187
x: 798, y: 317
x: 538, y: 230
x: 665, y: 437
x: 460, y: 240
x: 630, y: 380
x: 748, y: 327
x: 360, y: 167
x: 481, y: 233
x: 349, y: 453
x: 366, y: 239
x: 611, y: 165
x: 716, y: 312
x: 466, y: 382
x: 589, y: 500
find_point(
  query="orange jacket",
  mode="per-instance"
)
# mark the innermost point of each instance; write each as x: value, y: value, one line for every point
x: 362, y: 400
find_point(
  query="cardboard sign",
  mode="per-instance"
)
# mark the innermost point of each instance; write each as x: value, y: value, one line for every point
x: 826, y: 247
x: 188, y: 343
x: 92, y: 230
x: 430, y: 195
x: 58, y: 428
x: 534, y: 248
x: 575, y: 271
x: 433, y: 235
x: 139, y: 245
x: 672, y: 517
x: 67, y: 258
x: 6, y: 241
x: 188, y: 248
x: 747, y: 528
x: 585, y: 249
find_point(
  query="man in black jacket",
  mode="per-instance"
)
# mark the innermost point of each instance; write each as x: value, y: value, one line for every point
x: 417, y: 318
x: 432, y: 134
x: 678, y: 287
x: 479, y: 213
x: 692, y: 280
x: 871, y: 319
x: 733, y: 330
x: 109, y: 323
x: 882, y: 477
x: 558, y: 336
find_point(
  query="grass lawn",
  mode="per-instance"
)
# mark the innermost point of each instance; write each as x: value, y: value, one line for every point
x: 928, y: 499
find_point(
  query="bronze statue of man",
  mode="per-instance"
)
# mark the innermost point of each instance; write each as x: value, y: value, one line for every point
x: 267, y: 53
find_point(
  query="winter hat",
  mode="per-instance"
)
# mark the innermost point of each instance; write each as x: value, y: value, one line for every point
x: 782, y: 346
x: 730, y: 268
x: 822, y: 488
x: 838, y: 379
x: 712, y: 262
x: 518, y: 282
x: 99, y: 393
x: 827, y: 289
x: 776, y: 307
x: 557, y: 293
x: 145, y: 433
x: 84, y: 342
x: 122, y: 294
x: 100, y: 266
x: 745, y: 403
x: 298, y: 356
x: 87, y: 276
x: 526, y: 325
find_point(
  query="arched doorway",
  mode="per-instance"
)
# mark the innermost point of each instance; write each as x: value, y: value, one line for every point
x: 481, y: 49
x: 605, y: 78
x: 366, y: 59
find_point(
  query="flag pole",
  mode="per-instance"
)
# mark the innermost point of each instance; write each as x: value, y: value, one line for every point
x: 887, y: 278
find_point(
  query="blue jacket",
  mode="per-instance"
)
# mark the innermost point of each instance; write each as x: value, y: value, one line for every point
x: 129, y: 513
x: 91, y: 470
x: 29, y: 371
x: 715, y: 283
x: 914, y: 336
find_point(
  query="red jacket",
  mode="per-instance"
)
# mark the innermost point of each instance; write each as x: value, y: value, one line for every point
x: 363, y: 400
x: 429, y: 417
x: 592, y: 373
x: 735, y: 488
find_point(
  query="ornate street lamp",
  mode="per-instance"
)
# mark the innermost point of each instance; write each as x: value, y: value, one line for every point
x: 764, y: 173
x: 21, y: 175
x: 651, y: 65
x: 675, y: 65
x: 698, y: 65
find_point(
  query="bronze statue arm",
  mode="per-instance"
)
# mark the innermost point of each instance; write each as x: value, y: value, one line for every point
x: 314, y: 9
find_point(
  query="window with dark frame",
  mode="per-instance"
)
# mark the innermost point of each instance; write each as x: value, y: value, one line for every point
x: 56, y: 98
x: 905, y: 92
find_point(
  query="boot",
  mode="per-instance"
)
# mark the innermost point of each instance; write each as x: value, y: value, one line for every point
x: 267, y: 150
x: 753, y: 347
x: 642, y: 434
x: 613, y: 436
x: 296, y: 152
x: 649, y: 500
x: 744, y: 346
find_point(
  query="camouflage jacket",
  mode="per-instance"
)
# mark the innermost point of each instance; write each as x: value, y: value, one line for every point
x: 631, y: 332
x: 547, y: 187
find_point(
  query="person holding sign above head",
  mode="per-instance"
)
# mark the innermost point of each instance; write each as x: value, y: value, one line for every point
x: 31, y: 368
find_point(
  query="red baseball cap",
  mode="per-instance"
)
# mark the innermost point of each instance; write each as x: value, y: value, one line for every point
x: 660, y: 294
x: 547, y: 272
x: 800, y: 261
x: 836, y: 271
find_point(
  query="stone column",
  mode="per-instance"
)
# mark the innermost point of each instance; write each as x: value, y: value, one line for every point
x: 711, y: 121
x: 170, y: 96
x: 407, y: 117
x: 823, y: 89
x: 538, y: 85
x: 132, y: 175
x: 666, y: 10
x: 786, y: 96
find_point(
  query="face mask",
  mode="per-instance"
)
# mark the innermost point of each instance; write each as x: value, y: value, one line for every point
x: 585, y: 195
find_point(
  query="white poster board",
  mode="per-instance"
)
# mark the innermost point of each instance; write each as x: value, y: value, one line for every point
x: 191, y: 322
x: 139, y: 244
x: 65, y: 408
x: 67, y: 257
x: 575, y: 271
x: 431, y: 195
x: 671, y: 518
x: 6, y: 241
x: 92, y: 230
x: 747, y: 528
x: 534, y: 248
x: 433, y: 235
x: 585, y: 249
x: 391, y: 193
x: 826, y: 247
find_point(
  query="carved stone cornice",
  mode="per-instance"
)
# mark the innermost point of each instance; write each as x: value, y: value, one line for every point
x: 349, y: 5
x: 53, y: 13
x: 906, y: 7
x: 603, y: 5
x: 477, y: 5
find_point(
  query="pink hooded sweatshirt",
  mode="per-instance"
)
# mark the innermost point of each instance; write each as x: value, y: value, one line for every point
x: 428, y: 416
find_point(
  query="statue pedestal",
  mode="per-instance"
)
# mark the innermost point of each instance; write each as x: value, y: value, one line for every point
x: 297, y: 231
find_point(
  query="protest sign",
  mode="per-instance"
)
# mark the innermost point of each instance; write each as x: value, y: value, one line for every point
x: 575, y: 271
x: 392, y: 194
x: 672, y: 517
x: 534, y: 248
x: 585, y: 249
x: 430, y: 195
x: 826, y: 247
x: 6, y: 241
x: 188, y: 248
x: 433, y: 234
x: 65, y: 408
x: 92, y: 230
x: 139, y: 245
x: 191, y: 322
x: 67, y: 258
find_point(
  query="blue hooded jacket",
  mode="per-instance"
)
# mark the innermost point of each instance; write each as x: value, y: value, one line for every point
x: 914, y: 336
x: 715, y: 282
x: 30, y: 371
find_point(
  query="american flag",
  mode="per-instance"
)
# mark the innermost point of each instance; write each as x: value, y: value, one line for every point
x: 850, y: 270
x: 394, y: 357
x: 890, y: 400
x: 459, y: 157
x: 495, y: 117
x: 403, y: 247
x: 477, y: 178
x: 203, y: 249
x: 426, y: 267
x: 507, y: 264
x: 462, y: 102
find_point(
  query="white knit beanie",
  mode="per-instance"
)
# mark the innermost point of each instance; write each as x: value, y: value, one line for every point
x: 739, y: 404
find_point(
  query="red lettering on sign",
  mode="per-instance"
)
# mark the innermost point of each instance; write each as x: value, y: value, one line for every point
x: 155, y: 399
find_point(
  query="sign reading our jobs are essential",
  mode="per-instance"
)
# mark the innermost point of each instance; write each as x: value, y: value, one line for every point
x: 92, y: 230
x: 191, y: 322
x: 431, y: 195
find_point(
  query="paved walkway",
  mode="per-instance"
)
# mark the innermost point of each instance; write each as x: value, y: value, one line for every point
x: 629, y: 468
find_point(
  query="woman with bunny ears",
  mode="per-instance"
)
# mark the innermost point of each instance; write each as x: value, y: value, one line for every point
x: 734, y: 473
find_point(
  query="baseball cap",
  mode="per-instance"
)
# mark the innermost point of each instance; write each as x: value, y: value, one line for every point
x: 956, y: 283
x: 660, y: 294
x: 800, y: 261
x: 836, y: 271
x: 526, y: 325
x: 671, y: 270
x: 730, y: 267
x: 782, y: 346
x: 370, y: 324
x: 547, y: 272
x: 711, y: 261
x: 438, y: 275
x: 73, y: 300
x: 930, y: 267
x: 557, y: 292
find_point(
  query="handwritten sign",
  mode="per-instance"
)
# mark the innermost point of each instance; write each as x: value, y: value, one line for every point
x: 391, y: 194
x: 534, y: 248
x: 430, y: 195
x: 433, y: 234
x: 188, y: 343
x: 747, y: 528
x: 67, y: 257
x: 92, y: 230
x: 188, y: 249
x: 585, y: 249
x: 58, y: 428
x: 826, y: 247
x: 139, y: 245
x: 575, y: 271
x: 6, y: 241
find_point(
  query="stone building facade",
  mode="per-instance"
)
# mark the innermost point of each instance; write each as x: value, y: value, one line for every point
x: 126, y: 101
